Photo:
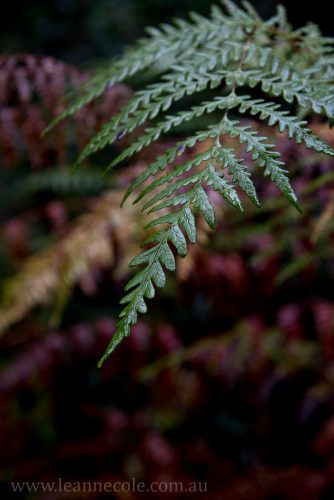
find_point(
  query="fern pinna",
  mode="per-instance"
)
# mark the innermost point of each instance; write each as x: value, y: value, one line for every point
x: 229, y: 54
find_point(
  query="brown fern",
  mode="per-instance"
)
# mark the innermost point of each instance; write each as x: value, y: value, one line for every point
x: 32, y: 90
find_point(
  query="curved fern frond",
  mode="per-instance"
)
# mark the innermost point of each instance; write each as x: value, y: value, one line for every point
x: 250, y: 67
x: 263, y: 154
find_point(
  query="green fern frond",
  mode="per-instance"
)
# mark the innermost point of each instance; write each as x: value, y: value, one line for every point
x: 62, y: 182
x: 252, y: 68
x: 263, y: 154
x: 166, y: 159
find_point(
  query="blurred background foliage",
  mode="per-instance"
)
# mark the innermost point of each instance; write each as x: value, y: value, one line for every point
x: 230, y: 378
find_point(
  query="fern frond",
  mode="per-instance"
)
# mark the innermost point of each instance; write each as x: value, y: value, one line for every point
x: 266, y: 158
x: 60, y: 181
x: 153, y: 273
x: 166, y: 159
x: 295, y: 128
x: 164, y: 46
x: 153, y: 134
x: 236, y: 57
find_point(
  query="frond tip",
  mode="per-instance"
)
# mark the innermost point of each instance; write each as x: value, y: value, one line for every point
x: 224, y: 54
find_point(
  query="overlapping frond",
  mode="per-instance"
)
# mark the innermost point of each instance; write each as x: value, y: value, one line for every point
x: 251, y: 67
